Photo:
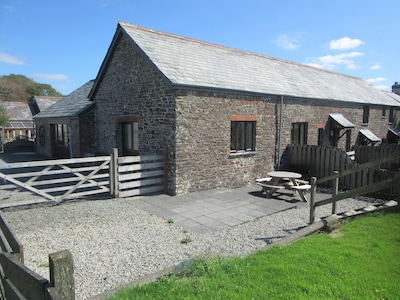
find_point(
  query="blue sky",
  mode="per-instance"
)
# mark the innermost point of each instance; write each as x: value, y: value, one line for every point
x: 63, y: 43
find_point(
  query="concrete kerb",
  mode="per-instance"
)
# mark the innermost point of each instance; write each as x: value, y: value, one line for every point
x: 327, y: 224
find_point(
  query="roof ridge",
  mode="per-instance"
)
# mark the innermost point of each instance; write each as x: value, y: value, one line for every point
x: 122, y: 23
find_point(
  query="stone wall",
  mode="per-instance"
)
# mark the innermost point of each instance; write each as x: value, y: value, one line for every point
x: 131, y: 88
x: 87, y: 138
x: 74, y: 136
x: 203, y: 158
x: 81, y: 134
x: 316, y: 113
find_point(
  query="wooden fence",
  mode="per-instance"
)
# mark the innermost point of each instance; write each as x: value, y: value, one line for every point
x: 323, y: 161
x: 62, y: 179
x: 17, y: 281
x: 365, y: 154
x: 136, y: 175
x: 392, y: 183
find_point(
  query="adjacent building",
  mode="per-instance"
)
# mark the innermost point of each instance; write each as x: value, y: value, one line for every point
x: 20, y: 115
x: 66, y: 129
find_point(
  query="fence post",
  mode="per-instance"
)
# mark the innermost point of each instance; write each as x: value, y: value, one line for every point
x: 111, y: 174
x: 312, y: 198
x: 114, y: 173
x: 335, y: 192
x: 62, y: 274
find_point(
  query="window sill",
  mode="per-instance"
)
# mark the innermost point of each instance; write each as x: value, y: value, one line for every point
x: 241, y: 154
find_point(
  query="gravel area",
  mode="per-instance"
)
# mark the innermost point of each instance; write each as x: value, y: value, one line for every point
x: 114, y: 243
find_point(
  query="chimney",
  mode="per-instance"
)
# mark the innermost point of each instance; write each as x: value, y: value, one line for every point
x: 396, y: 88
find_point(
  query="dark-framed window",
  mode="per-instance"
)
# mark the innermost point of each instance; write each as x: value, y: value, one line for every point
x: 61, y: 134
x: 391, y: 115
x: 60, y: 140
x: 299, y: 133
x: 130, y: 138
x: 320, y: 136
x: 365, y: 114
x: 243, y: 136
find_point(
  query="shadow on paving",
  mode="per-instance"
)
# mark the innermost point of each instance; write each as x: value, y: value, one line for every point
x: 7, y: 158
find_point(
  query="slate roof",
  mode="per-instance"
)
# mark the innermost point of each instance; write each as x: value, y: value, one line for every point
x: 392, y: 95
x: 191, y: 63
x: 17, y: 110
x: 370, y: 135
x: 341, y: 120
x: 70, y: 106
x: 43, y: 102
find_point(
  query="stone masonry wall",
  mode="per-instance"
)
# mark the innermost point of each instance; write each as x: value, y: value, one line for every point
x: 74, y: 136
x: 131, y: 87
x: 203, y: 158
x: 87, y: 137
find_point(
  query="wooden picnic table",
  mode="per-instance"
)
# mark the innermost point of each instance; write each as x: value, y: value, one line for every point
x: 278, y: 180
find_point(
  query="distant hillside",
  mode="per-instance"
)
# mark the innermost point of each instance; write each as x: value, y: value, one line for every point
x: 21, y: 88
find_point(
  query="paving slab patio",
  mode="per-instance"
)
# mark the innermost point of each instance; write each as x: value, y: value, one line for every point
x: 216, y: 209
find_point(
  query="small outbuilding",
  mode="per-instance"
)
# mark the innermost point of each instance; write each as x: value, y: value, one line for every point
x: 66, y: 129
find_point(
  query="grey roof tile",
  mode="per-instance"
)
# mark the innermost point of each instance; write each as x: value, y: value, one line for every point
x: 44, y: 102
x: 189, y: 62
x: 369, y: 135
x: 17, y: 110
x: 70, y: 106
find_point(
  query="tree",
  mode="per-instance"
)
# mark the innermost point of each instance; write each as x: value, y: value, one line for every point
x: 16, y: 87
x: 3, y: 116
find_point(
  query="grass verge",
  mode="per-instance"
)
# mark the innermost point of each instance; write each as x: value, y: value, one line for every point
x: 360, y: 261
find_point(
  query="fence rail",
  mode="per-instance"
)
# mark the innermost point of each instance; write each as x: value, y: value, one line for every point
x: 367, y: 186
x: 323, y: 161
x: 17, y: 281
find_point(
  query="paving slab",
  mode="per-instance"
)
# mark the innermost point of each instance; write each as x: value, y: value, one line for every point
x: 216, y: 209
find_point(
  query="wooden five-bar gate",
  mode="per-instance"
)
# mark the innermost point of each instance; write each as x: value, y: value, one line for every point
x: 57, y: 180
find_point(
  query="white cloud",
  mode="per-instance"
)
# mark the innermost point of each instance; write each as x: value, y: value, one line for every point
x: 375, y: 80
x: 329, y: 62
x: 352, y: 67
x: 345, y: 43
x: 50, y: 77
x: 288, y: 42
x: 10, y: 59
x: 382, y: 87
x: 375, y: 67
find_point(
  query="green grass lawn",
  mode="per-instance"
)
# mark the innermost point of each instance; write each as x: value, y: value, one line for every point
x: 360, y: 261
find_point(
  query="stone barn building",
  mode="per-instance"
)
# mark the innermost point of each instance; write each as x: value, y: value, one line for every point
x: 221, y: 116
x: 66, y: 129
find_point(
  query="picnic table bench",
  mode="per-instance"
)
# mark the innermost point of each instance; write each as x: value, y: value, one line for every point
x: 291, y: 181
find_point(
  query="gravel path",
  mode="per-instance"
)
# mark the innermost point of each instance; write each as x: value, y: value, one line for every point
x: 114, y: 243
